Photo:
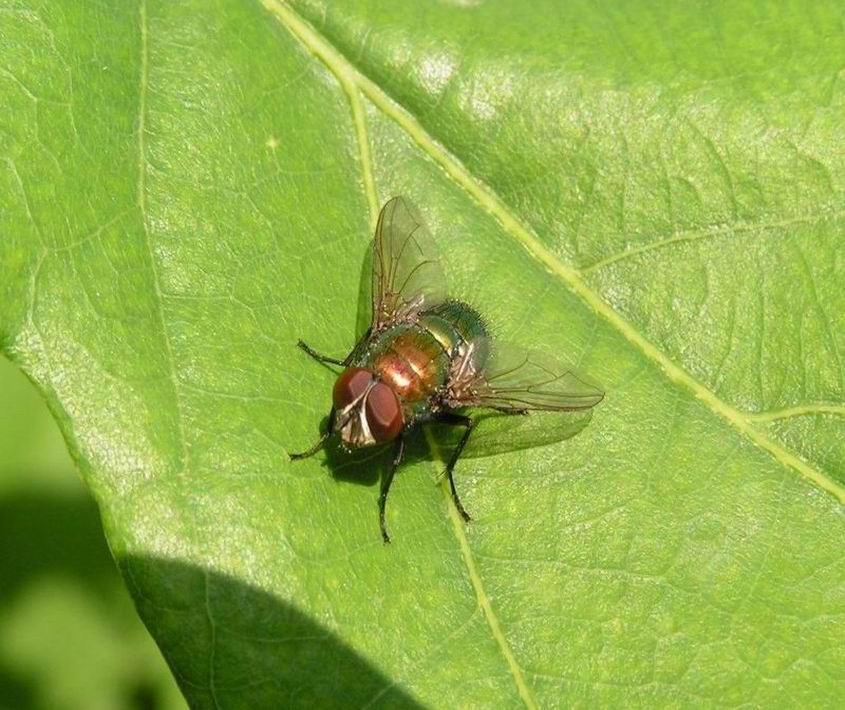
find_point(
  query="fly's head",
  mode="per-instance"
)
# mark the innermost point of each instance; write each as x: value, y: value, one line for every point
x: 368, y: 412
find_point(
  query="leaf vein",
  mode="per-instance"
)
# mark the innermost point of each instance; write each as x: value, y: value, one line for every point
x: 141, y: 201
x: 711, y: 232
x: 801, y: 410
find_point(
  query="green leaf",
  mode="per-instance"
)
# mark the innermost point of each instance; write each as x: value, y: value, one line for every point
x: 655, y: 191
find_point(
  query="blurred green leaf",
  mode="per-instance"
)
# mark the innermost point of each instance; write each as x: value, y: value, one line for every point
x: 652, y: 190
x: 69, y: 637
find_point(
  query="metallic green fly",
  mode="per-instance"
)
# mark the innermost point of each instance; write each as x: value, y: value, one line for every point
x: 426, y: 358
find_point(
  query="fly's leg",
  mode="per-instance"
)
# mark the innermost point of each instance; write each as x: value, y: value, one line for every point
x: 398, y: 453
x: 319, y: 443
x: 311, y: 450
x: 317, y: 356
x: 356, y: 352
x: 457, y: 420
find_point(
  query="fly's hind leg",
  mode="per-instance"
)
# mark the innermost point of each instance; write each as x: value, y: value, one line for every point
x: 457, y: 420
x: 398, y: 453
x: 319, y: 443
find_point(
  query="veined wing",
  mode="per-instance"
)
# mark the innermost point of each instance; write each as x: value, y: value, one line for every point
x: 407, y: 275
x: 515, y: 379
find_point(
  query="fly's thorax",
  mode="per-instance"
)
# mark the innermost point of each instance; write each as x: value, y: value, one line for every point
x: 367, y: 411
x: 460, y: 329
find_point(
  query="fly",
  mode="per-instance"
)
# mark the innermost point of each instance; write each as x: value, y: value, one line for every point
x: 426, y: 358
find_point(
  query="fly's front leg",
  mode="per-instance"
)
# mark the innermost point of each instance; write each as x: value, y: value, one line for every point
x: 317, y: 356
x: 457, y: 420
x: 356, y: 352
x: 319, y: 443
x: 398, y: 453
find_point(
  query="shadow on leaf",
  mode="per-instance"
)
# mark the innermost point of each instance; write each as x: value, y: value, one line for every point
x: 495, y: 434
x: 230, y: 644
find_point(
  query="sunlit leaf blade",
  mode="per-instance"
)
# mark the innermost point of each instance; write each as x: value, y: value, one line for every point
x: 651, y: 191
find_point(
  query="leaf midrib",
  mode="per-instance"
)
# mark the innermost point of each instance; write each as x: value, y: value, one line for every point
x: 351, y: 77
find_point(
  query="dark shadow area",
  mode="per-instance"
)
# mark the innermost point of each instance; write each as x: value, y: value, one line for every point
x: 364, y: 310
x: 15, y: 692
x: 143, y: 697
x: 46, y: 534
x: 232, y: 645
x: 364, y: 466
x: 495, y: 434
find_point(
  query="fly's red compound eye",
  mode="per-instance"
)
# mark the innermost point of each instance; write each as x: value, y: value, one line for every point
x: 351, y: 384
x: 383, y: 412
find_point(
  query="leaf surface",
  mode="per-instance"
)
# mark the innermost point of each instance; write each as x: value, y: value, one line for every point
x: 653, y: 193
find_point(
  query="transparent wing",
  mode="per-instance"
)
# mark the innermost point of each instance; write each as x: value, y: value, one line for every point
x: 515, y: 379
x: 498, y: 434
x: 407, y: 275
